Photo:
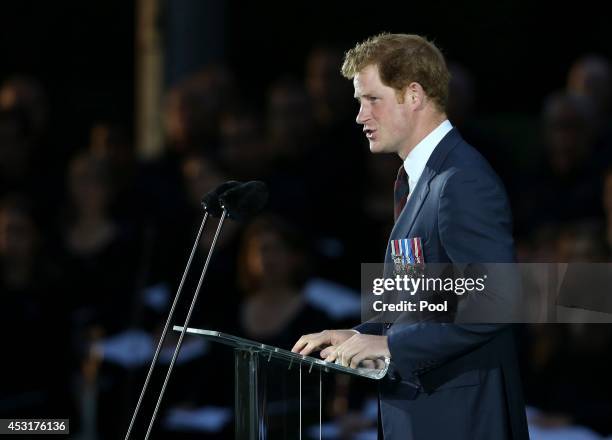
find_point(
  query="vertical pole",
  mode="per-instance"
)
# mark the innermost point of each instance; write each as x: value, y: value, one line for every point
x: 149, y: 79
x: 300, y: 401
x: 320, y: 402
x: 246, y: 395
x: 553, y: 291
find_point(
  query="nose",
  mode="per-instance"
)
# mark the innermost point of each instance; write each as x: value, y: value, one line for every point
x: 363, y: 115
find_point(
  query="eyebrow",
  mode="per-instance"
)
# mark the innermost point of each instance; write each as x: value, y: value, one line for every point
x: 365, y: 95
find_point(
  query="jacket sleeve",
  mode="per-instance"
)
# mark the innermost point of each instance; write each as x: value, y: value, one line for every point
x: 370, y: 328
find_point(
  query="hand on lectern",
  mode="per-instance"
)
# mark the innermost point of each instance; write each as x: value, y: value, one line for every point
x: 316, y: 341
x: 357, y: 349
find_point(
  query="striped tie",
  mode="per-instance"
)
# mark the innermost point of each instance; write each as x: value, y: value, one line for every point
x: 400, y: 191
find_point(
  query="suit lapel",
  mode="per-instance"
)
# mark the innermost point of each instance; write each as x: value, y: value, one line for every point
x: 413, y: 206
x: 409, y: 214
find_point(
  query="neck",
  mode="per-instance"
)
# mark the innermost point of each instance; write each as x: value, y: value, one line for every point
x: 428, y: 122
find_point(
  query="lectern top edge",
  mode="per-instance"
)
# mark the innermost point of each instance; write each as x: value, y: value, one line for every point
x: 293, y: 358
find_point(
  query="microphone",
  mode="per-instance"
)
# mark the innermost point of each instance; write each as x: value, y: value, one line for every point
x: 210, y: 202
x: 244, y: 200
x: 240, y: 201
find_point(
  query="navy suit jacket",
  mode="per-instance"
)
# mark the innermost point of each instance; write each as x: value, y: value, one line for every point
x: 453, y: 381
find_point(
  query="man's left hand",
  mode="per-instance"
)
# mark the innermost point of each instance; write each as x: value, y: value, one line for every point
x: 357, y: 348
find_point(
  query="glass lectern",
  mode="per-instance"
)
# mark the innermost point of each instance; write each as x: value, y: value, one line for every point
x: 270, y: 381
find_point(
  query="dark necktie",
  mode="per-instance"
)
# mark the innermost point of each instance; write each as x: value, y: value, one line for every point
x: 400, y: 192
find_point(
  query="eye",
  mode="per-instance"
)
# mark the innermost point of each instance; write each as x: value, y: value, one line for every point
x: 373, y: 98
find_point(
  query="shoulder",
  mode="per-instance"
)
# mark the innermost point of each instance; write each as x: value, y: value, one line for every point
x: 464, y: 167
x: 467, y: 189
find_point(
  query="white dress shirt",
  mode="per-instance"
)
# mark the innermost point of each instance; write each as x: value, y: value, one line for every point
x: 418, y: 157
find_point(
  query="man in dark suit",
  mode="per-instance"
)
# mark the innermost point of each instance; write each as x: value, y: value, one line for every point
x: 446, y: 381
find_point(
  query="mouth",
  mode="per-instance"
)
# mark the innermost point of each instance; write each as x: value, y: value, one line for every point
x: 370, y: 133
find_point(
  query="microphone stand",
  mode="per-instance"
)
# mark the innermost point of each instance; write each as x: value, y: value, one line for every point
x: 185, y: 325
x: 167, y: 325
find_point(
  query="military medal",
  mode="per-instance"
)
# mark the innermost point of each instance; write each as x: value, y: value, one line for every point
x: 407, y: 255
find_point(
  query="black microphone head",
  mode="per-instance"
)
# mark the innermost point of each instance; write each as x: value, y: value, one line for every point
x: 210, y: 202
x: 244, y: 201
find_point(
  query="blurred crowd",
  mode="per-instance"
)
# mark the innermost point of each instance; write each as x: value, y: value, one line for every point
x: 93, y: 244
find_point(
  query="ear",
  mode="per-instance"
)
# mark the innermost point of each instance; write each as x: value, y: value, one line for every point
x: 414, y: 95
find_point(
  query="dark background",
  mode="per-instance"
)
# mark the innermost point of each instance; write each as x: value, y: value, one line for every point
x: 83, y: 54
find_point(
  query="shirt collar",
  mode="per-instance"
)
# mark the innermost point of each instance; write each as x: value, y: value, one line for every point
x: 418, y: 157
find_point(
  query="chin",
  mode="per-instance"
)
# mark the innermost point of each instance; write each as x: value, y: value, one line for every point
x: 376, y: 147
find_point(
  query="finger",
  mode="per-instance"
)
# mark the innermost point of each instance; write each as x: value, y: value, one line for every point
x: 350, y: 352
x: 299, y: 344
x: 336, y: 355
x: 315, y: 340
x: 336, y: 351
x: 303, y: 342
x: 368, y: 363
x: 345, y: 357
x: 356, y: 360
x: 308, y: 348
x: 326, y: 352
x: 312, y: 345
x: 332, y: 354
x: 329, y: 354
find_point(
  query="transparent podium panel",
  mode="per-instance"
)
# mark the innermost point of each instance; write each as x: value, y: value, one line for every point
x: 287, y: 402
x: 280, y: 394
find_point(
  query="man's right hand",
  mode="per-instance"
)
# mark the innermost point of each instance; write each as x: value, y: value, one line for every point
x: 316, y: 341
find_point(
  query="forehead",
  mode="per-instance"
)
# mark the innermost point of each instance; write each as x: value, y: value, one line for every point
x: 366, y: 80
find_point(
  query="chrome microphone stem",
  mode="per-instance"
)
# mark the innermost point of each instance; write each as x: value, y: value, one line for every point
x: 165, y: 331
x: 186, y: 324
